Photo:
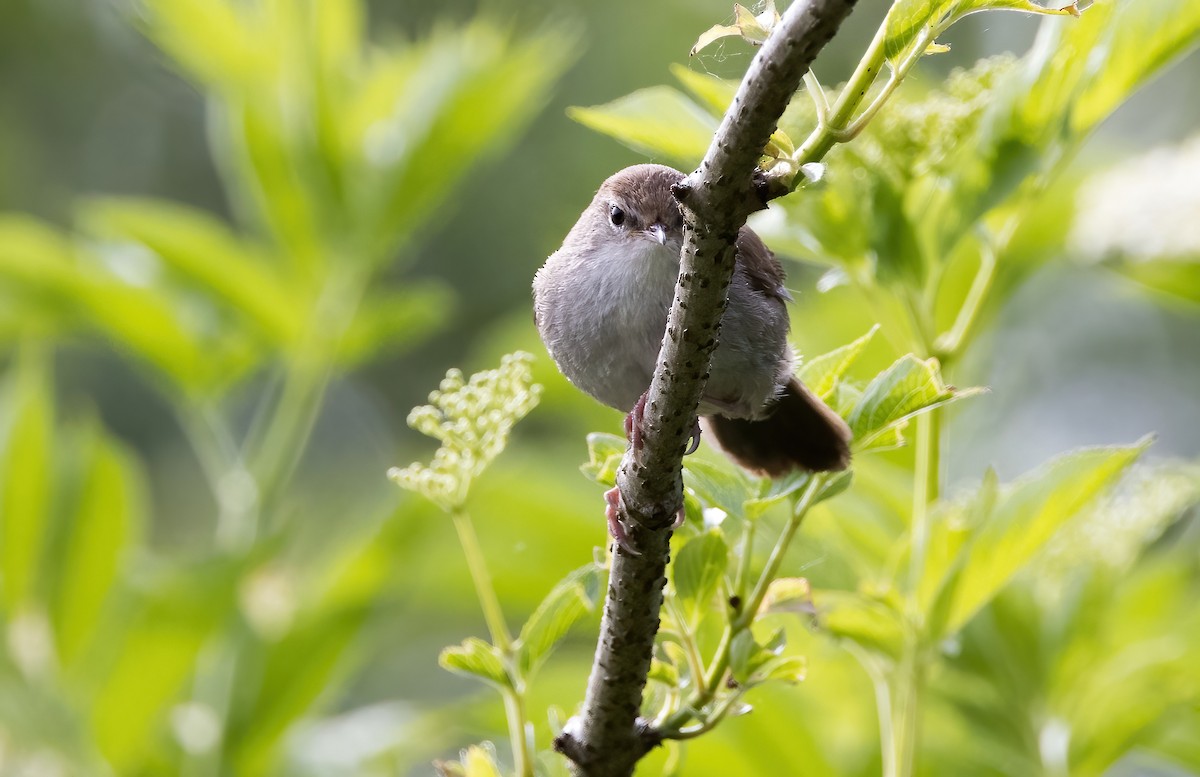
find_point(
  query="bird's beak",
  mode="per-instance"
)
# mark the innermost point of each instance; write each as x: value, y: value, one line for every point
x: 658, y: 233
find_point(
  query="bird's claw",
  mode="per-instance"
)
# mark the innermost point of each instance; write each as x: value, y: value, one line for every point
x: 612, y: 512
x: 694, y: 440
x: 617, y: 529
x: 633, y: 423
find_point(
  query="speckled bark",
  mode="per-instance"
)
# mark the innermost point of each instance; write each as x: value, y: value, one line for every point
x: 608, y: 738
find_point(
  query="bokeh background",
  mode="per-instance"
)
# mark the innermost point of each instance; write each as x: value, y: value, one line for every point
x: 237, y: 628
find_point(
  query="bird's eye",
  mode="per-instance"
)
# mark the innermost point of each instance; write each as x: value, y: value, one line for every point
x: 616, y: 216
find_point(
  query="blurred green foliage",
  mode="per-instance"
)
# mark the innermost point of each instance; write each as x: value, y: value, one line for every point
x: 202, y: 570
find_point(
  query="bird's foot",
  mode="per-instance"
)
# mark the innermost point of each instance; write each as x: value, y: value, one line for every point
x: 633, y: 423
x: 694, y: 440
x: 612, y: 512
x: 633, y: 428
x: 617, y: 529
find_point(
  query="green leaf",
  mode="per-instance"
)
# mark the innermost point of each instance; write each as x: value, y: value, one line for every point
x: 659, y: 121
x: 605, y: 452
x: 663, y: 672
x: 752, y: 662
x: 912, y: 25
x: 774, y: 491
x: 697, y: 572
x: 476, y: 658
x: 26, y: 470
x: 468, y: 93
x: 872, y: 623
x: 910, y: 386
x: 211, y: 42
x: 751, y: 28
x: 305, y: 650
x: 106, y: 522
x: 1136, y: 47
x: 822, y: 373
x: 713, y: 92
x: 786, y: 590
x: 205, y: 254
x: 1025, y: 517
x: 721, y: 485
x: 395, y: 320
x: 153, y: 655
x: 573, y: 597
x: 788, y: 669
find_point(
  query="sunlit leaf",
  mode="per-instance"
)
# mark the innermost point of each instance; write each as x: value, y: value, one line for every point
x: 663, y: 672
x: 713, y: 92
x: 910, y: 386
x: 104, y: 524
x: 1024, y: 518
x: 912, y: 25
x: 147, y: 664
x: 205, y: 253
x: 869, y: 622
x: 659, y: 121
x: 26, y: 470
x: 821, y: 373
x: 720, y: 484
x: 573, y: 597
x: 476, y: 89
x: 309, y: 640
x: 697, y: 572
x: 476, y: 658
x: 604, y: 457
x: 395, y: 320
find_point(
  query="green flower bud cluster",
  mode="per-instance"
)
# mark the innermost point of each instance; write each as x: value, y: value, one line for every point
x: 472, y: 418
x: 917, y: 136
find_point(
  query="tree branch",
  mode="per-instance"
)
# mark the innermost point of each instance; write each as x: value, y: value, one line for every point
x: 608, y: 738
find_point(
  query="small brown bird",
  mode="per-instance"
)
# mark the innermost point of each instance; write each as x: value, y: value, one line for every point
x: 601, y: 304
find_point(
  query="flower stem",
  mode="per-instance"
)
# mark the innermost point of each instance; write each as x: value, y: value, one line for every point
x: 514, y: 710
x: 488, y: 602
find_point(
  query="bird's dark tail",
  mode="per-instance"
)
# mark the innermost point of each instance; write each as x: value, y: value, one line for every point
x: 799, y: 432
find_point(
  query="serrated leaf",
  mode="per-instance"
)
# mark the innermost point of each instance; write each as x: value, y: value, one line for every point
x: 1023, y: 519
x: 822, y: 373
x: 721, y: 485
x: 697, y: 573
x: 659, y: 121
x: 604, y: 458
x: 476, y: 658
x: 910, y: 386
x: 573, y: 597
